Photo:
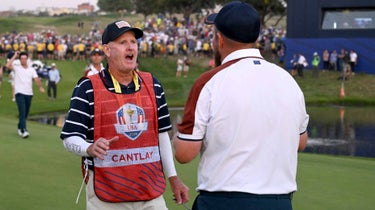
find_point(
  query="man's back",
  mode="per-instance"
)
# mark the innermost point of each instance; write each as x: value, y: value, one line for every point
x: 253, y: 127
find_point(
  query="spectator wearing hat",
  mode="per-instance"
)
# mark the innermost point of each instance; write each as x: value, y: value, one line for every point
x: 246, y: 119
x: 315, y: 64
x: 118, y: 122
x: 96, y: 65
x: 301, y: 64
x: 53, y: 79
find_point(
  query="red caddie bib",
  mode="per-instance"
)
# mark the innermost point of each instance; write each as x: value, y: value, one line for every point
x: 132, y: 169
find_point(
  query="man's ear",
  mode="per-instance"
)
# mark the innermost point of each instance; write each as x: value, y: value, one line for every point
x: 220, y: 40
x: 106, y: 50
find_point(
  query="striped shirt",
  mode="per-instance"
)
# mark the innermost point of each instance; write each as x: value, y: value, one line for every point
x: 80, y: 120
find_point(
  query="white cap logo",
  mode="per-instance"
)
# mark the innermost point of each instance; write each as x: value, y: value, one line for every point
x: 121, y: 24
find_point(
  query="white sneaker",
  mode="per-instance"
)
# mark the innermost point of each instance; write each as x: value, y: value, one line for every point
x: 25, y: 134
x: 20, y: 133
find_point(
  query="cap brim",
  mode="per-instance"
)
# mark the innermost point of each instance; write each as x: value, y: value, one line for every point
x: 138, y: 32
x: 96, y: 53
x: 210, y: 19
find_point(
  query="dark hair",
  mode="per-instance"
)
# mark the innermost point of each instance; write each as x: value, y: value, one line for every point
x: 23, y: 53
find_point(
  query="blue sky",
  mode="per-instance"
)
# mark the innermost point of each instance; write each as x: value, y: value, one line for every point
x: 33, y: 4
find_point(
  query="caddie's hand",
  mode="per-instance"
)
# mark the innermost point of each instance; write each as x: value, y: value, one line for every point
x: 179, y: 189
x: 41, y: 89
x: 100, y: 147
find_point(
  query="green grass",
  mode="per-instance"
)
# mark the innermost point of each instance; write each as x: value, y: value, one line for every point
x: 59, y: 25
x: 38, y: 173
x: 326, y: 89
x: 329, y: 182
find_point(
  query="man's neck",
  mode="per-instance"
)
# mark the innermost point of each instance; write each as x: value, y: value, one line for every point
x: 98, y: 66
x: 123, y: 78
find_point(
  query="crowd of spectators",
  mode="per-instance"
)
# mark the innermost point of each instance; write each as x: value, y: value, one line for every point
x: 49, y: 45
x: 344, y: 61
x: 163, y: 37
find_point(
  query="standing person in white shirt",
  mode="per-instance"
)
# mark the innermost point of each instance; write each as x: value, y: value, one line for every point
x: 180, y: 65
x: 301, y: 64
x: 353, y: 60
x: 23, y: 87
x: 246, y: 119
x: 53, y: 79
x: 96, y: 57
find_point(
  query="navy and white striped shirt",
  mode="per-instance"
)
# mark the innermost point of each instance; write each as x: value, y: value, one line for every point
x: 80, y: 120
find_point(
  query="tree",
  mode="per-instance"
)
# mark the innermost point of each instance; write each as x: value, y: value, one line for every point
x: 115, y: 5
x: 147, y: 7
x: 267, y: 9
x: 187, y: 7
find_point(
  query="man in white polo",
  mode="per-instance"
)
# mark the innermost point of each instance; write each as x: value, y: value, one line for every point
x: 247, y: 120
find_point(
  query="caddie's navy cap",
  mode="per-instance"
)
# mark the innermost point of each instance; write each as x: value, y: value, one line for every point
x: 116, y: 29
x: 96, y: 51
x: 238, y: 21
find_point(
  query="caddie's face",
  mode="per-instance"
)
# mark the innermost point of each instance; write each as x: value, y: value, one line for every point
x: 122, y: 52
x: 96, y: 58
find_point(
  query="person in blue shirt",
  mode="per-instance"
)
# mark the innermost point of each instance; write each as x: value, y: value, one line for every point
x: 53, y: 79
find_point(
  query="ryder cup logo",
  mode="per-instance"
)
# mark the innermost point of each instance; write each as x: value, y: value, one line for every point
x: 131, y: 121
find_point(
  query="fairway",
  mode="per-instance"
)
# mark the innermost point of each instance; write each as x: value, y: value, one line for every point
x: 39, y: 174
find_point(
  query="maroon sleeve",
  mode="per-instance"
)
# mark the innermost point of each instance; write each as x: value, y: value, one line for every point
x: 187, y: 124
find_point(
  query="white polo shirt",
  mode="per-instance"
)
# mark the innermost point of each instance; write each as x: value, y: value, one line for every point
x: 93, y: 70
x: 249, y: 116
x: 23, y: 78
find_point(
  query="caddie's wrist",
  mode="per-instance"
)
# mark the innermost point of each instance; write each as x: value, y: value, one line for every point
x: 173, y: 179
x: 88, y: 150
